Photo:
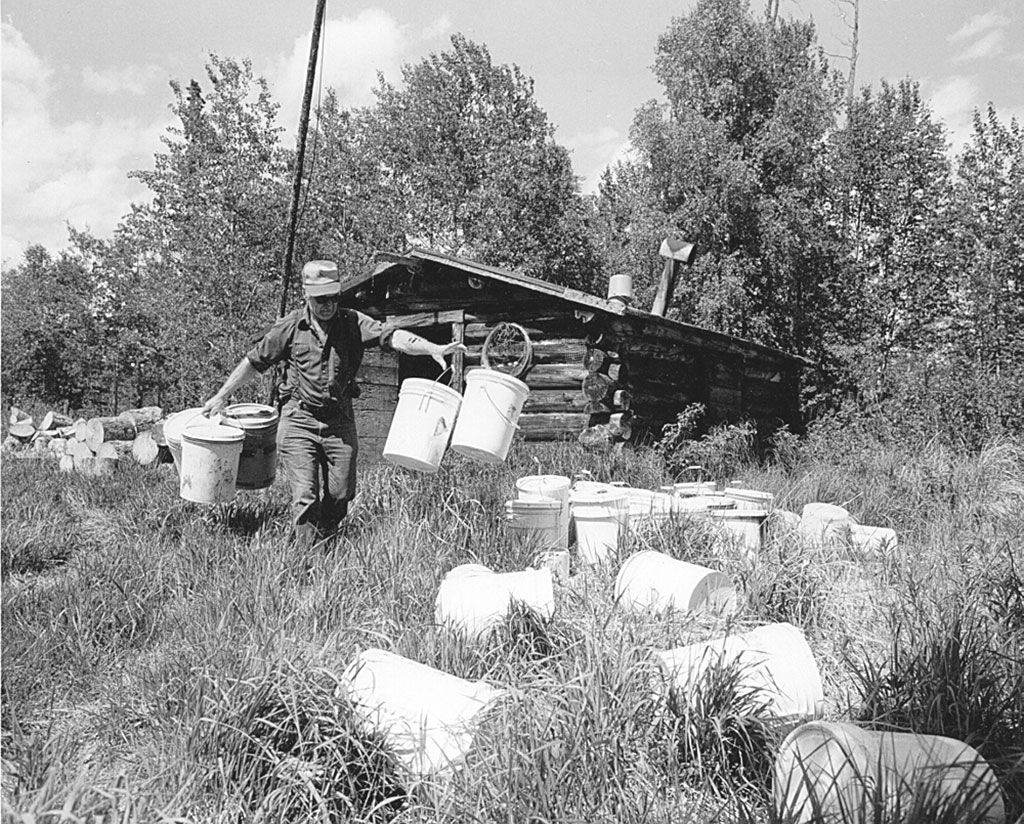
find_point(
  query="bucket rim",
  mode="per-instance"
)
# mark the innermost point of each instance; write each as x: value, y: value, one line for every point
x: 494, y: 376
x: 425, y: 385
x: 176, y: 423
x: 250, y: 415
x: 212, y: 433
x: 557, y: 479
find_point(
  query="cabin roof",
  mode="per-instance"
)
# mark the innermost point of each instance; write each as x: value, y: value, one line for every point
x: 391, y: 265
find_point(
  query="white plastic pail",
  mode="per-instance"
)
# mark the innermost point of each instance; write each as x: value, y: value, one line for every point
x: 428, y: 717
x: 875, y: 540
x: 621, y: 287
x: 209, y: 462
x: 422, y: 425
x: 257, y: 467
x: 774, y: 659
x: 538, y: 523
x: 826, y: 771
x: 176, y: 423
x: 473, y: 601
x: 688, y: 488
x: 601, y: 517
x: 653, y: 581
x: 490, y: 413
x: 822, y: 523
x: 548, y: 488
x: 743, y: 528
x: 750, y: 498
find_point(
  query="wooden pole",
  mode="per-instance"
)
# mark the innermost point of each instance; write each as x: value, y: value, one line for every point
x: 300, y: 160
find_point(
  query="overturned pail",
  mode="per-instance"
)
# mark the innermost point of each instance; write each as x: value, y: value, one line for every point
x: 742, y: 528
x: 774, y: 659
x: 653, y: 581
x: 874, y: 540
x: 548, y: 488
x: 836, y: 772
x: 422, y: 424
x: 601, y: 516
x: 822, y: 523
x: 257, y: 467
x: 490, y: 415
x: 538, y: 523
x: 175, y: 425
x: 209, y: 462
x: 473, y: 600
x: 427, y: 717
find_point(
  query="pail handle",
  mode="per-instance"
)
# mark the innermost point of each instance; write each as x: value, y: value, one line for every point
x: 423, y: 398
x: 498, y: 409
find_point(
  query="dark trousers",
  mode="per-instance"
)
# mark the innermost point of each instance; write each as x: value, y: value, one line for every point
x: 317, y: 455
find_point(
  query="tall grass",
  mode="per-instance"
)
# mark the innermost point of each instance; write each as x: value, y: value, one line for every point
x: 167, y: 660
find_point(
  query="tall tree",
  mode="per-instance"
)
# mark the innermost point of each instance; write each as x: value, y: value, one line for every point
x: 472, y: 164
x: 211, y: 240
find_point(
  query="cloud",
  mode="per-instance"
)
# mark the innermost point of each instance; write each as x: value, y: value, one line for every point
x: 133, y: 80
x: 56, y: 172
x: 953, y: 102
x: 989, y: 45
x: 352, y: 51
x: 979, y: 24
x: 438, y: 29
x: 594, y: 151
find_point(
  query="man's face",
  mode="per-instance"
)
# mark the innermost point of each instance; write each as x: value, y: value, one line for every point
x: 323, y: 307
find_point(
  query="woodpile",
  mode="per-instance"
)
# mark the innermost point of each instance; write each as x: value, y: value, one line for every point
x: 93, y: 446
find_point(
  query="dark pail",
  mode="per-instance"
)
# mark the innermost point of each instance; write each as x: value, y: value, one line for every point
x: 257, y: 467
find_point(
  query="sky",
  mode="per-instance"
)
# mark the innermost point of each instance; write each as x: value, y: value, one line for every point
x: 85, y: 94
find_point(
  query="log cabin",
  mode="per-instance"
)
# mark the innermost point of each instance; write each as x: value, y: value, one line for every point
x: 591, y: 363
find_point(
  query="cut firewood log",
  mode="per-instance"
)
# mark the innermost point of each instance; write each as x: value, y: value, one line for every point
x: 157, y: 431
x: 22, y: 431
x: 19, y: 416
x: 145, y: 449
x: 54, y: 420
x: 597, y: 437
x: 82, y: 456
x: 66, y: 431
x: 58, y: 446
x: 98, y: 430
x: 81, y: 429
x: 597, y: 386
x: 144, y: 417
x: 67, y: 462
x: 593, y: 359
x: 621, y: 425
x: 10, y: 443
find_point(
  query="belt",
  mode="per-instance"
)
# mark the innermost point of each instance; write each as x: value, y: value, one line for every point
x: 318, y: 411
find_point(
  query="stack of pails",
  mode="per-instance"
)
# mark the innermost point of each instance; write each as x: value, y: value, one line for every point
x: 540, y: 513
x: 601, y: 516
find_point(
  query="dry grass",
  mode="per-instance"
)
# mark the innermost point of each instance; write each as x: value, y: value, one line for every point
x: 164, y: 660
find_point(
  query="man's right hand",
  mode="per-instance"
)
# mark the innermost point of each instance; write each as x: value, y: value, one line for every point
x: 214, y: 406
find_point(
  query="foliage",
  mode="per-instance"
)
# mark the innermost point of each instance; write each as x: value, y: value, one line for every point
x: 49, y: 329
x: 472, y: 164
x: 716, y: 453
x: 168, y: 655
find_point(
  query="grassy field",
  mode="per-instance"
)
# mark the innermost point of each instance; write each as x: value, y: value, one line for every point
x: 163, y: 660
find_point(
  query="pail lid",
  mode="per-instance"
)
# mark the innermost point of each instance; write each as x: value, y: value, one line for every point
x: 177, y: 422
x: 250, y: 415
x: 212, y: 433
x: 543, y: 483
x: 607, y: 495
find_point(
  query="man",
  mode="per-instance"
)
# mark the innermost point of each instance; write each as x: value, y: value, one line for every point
x: 321, y: 346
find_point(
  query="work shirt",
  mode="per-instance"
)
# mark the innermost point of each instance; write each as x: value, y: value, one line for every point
x: 320, y: 368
